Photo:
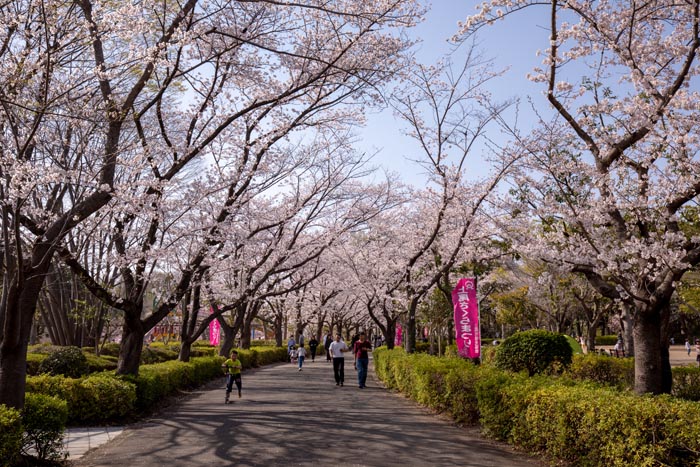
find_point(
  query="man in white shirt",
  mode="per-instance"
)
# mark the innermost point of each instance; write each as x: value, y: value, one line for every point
x: 336, y: 349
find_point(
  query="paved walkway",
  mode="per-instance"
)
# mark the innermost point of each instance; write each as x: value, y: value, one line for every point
x: 287, y: 418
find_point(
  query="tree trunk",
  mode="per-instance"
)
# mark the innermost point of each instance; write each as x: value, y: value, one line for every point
x: 651, y: 364
x: 185, y: 350
x: 410, y: 331
x: 279, y: 335
x: 390, y: 334
x: 19, y: 300
x: 228, y: 339
x: 131, y: 347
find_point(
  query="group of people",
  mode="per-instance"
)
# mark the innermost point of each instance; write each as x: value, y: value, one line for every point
x: 688, y: 349
x: 335, y: 352
x: 297, y: 353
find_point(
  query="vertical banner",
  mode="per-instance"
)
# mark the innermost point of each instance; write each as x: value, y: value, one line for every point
x: 398, y: 339
x: 214, y: 330
x: 466, y: 316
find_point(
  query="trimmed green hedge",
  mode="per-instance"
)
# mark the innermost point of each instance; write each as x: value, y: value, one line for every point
x: 581, y: 423
x: 610, y: 339
x: 93, y: 399
x: 10, y: 435
x: 105, y: 397
x: 601, y: 369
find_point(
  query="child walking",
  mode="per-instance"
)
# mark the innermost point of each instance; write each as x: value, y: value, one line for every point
x: 232, y: 367
x: 301, y: 354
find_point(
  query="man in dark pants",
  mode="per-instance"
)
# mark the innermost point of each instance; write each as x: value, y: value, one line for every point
x: 313, y: 343
x: 336, y: 349
x: 326, y: 345
x: 360, y: 349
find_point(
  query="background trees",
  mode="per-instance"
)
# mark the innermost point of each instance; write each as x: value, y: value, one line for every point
x: 611, y: 173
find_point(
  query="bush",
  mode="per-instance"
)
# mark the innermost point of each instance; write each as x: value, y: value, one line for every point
x: 589, y: 427
x: 10, y: 435
x: 535, y: 351
x: 606, y: 340
x: 44, y: 421
x: 99, y: 364
x: 157, y: 354
x: 580, y: 423
x: 97, y: 398
x: 66, y: 361
x: 110, y: 349
x: 686, y: 382
x: 159, y: 380
x: 34, y: 361
x: 617, y: 372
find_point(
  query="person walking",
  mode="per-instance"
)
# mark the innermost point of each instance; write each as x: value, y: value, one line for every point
x: 301, y: 355
x: 326, y: 345
x: 336, y: 349
x: 313, y: 344
x: 360, y: 349
x: 687, y: 346
x: 290, y: 346
x: 232, y: 368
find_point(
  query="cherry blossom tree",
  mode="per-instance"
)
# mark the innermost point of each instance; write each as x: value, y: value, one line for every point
x: 92, y: 88
x: 611, y: 174
x: 447, y: 111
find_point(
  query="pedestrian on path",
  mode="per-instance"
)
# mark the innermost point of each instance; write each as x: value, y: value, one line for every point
x: 687, y: 346
x: 697, y: 351
x: 301, y: 355
x: 232, y: 368
x: 290, y: 346
x: 326, y: 345
x: 360, y: 349
x: 336, y: 349
x: 313, y: 345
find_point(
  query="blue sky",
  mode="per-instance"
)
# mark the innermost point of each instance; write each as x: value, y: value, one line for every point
x: 511, y: 44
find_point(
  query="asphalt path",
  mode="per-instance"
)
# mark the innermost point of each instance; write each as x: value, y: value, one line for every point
x: 288, y: 418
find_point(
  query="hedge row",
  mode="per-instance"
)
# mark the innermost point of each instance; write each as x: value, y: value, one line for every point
x: 582, y: 423
x: 104, y: 397
x: 619, y: 373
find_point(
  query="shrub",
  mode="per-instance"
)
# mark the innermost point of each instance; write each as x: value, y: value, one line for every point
x: 618, y: 372
x: 686, y: 383
x: 96, y: 398
x: 111, y: 349
x: 535, y: 351
x: 44, y: 421
x: 157, y: 354
x: 606, y: 340
x: 502, y: 399
x: 10, y: 435
x: 589, y: 427
x: 34, y: 362
x: 66, y: 361
x: 159, y: 380
x: 99, y: 364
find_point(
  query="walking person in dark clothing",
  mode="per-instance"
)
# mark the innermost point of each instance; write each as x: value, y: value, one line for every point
x: 313, y: 344
x: 360, y: 349
x: 337, y: 348
x: 326, y: 345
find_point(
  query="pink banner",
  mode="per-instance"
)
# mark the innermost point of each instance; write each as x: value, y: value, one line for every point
x: 398, y: 338
x: 466, y: 315
x: 214, y: 330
